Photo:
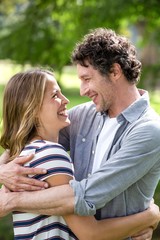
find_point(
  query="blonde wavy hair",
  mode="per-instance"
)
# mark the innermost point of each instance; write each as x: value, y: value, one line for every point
x: 23, y: 97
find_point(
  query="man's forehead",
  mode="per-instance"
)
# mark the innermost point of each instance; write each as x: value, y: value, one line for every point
x: 84, y: 71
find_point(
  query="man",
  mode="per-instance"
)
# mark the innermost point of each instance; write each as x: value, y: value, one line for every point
x: 113, y: 141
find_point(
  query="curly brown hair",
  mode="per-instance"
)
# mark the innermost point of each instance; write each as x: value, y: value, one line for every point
x: 102, y: 48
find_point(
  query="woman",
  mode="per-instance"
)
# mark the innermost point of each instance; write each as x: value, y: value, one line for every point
x: 34, y: 111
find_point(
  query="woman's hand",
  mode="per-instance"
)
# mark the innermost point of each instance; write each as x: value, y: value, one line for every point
x: 144, y: 235
x: 147, y: 233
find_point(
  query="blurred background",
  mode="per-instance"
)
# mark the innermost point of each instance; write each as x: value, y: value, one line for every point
x: 43, y: 33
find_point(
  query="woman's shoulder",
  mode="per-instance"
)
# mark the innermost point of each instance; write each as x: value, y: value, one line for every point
x: 44, y: 147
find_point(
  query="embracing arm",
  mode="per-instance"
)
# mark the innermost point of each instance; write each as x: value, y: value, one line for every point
x: 114, y: 228
x: 33, y: 202
x: 110, y: 229
x: 137, y: 158
x: 13, y: 174
x: 59, y: 201
x: 4, y: 157
x: 120, y: 166
x: 62, y: 200
x: 117, y: 228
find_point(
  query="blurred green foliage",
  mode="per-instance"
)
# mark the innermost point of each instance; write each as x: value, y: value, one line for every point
x: 6, y: 229
x: 44, y: 33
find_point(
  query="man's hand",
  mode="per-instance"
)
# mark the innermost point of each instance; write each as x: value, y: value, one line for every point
x: 4, y: 157
x: 14, y: 176
x: 4, y: 207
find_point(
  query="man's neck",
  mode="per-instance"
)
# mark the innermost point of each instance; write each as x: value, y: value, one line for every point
x: 123, y: 100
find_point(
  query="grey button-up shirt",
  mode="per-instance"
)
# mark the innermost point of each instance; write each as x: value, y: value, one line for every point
x: 130, y: 169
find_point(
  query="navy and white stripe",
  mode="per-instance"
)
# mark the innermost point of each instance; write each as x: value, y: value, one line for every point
x: 55, y: 160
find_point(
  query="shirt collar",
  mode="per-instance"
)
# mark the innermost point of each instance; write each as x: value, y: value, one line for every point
x: 135, y: 110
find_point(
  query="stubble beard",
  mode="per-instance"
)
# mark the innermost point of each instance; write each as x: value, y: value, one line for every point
x: 102, y: 107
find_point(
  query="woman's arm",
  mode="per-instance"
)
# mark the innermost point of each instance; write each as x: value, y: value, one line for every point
x: 109, y: 229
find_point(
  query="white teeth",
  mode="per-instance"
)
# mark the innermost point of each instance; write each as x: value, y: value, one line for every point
x: 62, y: 113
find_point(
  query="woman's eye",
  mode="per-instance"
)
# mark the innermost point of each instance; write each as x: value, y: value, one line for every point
x: 54, y: 96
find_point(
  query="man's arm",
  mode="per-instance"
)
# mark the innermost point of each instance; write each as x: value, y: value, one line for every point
x: 54, y: 201
x: 136, y: 155
x: 92, y: 192
x: 131, y: 160
x: 4, y: 157
x: 139, y: 154
x: 29, y: 200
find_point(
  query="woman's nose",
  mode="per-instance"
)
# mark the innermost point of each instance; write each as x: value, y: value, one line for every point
x: 65, y: 99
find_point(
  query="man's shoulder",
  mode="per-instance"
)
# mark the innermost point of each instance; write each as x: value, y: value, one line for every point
x: 147, y: 126
x: 152, y: 114
x: 151, y: 119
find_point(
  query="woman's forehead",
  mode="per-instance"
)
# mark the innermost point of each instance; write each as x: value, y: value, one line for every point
x: 51, y: 83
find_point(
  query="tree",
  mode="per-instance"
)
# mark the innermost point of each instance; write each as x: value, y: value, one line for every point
x: 44, y: 32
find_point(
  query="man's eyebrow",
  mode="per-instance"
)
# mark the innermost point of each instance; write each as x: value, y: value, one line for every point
x: 84, y: 75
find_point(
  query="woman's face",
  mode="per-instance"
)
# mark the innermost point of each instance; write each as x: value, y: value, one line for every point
x: 53, y: 113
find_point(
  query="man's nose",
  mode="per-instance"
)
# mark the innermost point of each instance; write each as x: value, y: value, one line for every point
x: 84, y: 89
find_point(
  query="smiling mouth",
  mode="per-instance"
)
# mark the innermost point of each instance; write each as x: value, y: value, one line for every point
x: 63, y: 113
x: 93, y: 97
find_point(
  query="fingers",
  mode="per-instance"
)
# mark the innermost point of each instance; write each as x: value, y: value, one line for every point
x: 5, y: 189
x: 142, y: 238
x: 15, y: 176
x: 143, y: 235
x: 24, y: 159
x: 156, y: 213
x: 29, y: 188
x: 32, y: 171
x: 18, y: 169
x: 21, y: 183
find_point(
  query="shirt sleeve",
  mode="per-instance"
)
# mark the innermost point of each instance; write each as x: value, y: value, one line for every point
x: 54, y: 159
x: 139, y: 153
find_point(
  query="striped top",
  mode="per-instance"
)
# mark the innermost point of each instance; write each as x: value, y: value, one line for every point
x: 54, y: 158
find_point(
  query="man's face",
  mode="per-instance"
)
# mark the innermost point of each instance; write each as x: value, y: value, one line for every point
x: 97, y: 87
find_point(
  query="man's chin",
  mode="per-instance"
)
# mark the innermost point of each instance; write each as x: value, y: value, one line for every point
x: 101, y: 110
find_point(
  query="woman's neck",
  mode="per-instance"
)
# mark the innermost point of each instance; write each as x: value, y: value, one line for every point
x: 48, y: 138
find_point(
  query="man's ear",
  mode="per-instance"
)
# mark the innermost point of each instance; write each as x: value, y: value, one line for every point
x: 115, y: 72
